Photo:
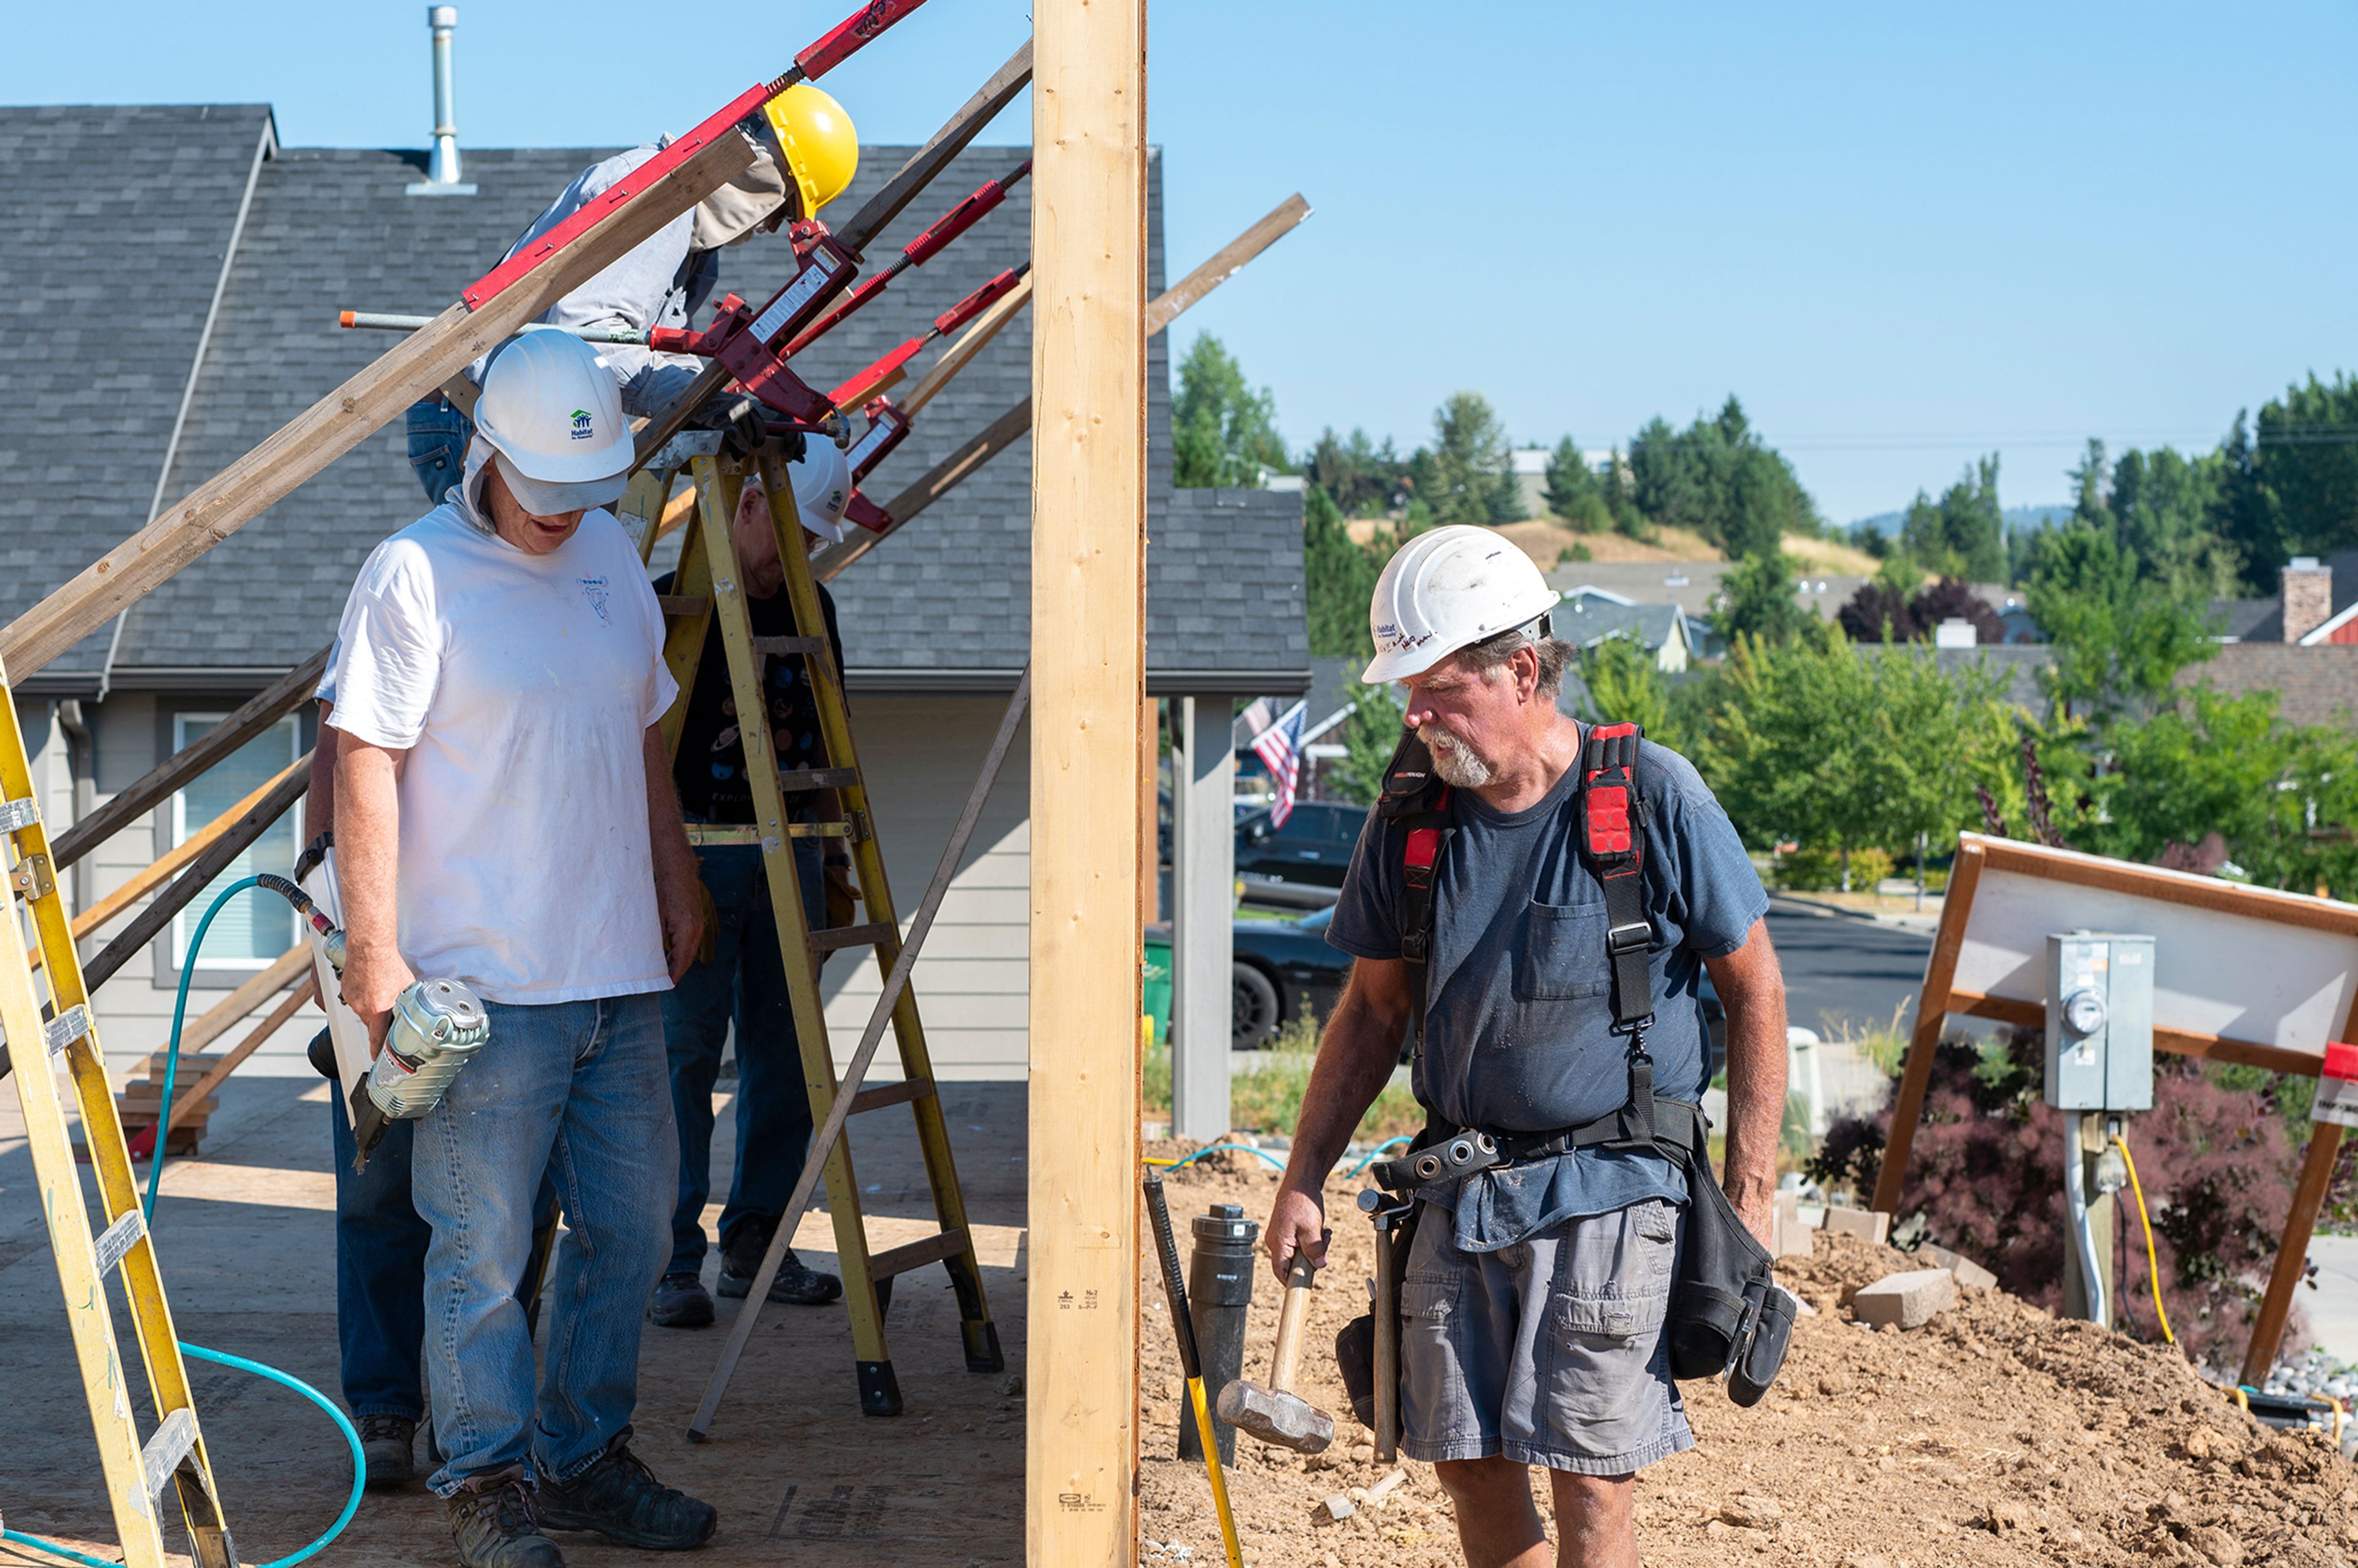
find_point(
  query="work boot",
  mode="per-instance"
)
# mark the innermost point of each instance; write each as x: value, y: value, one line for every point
x: 794, y: 1286
x: 620, y: 1498
x: 681, y: 1302
x: 385, y: 1450
x: 493, y: 1521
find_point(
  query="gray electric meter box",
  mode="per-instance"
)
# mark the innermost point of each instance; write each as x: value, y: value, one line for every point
x: 2099, y: 1021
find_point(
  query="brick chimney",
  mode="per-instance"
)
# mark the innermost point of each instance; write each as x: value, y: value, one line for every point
x: 2308, y: 597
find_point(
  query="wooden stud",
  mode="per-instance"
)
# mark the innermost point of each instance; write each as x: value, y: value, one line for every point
x: 347, y: 417
x: 1932, y: 1014
x: 199, y: 875
x: 1088, y: 471
x: 184, y: 1104
x: 145, y: 794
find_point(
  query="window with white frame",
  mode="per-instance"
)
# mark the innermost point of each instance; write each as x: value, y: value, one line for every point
x: 254, y: 928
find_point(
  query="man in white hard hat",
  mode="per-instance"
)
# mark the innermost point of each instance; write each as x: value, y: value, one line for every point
x: 1537, y: 1284
x: 805, y: 155
x: 505, y: 816
x: 742, y: 977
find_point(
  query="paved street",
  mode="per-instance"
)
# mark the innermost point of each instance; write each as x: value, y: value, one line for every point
x: 1841, y: 970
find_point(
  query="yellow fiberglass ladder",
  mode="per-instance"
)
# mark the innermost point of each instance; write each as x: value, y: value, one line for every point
x: 45, y: 1010
x: 710, y: 583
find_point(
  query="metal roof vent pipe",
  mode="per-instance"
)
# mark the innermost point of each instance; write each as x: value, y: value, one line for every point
x: 442, y: 164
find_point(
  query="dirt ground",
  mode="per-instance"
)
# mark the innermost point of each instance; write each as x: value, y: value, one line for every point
x: 1994, y: 1434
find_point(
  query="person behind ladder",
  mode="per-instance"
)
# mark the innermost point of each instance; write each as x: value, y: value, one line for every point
x: 804, y: 158
x: 1532, y: 1313
x: 506, y: 816
x: 741, y: 974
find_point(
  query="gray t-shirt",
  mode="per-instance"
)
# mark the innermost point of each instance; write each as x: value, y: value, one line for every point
x: 1519, y: 1010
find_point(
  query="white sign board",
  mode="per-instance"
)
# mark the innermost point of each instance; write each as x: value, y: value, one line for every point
x: 2273, y: 971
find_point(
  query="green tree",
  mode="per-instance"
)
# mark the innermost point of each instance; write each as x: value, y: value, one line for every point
x: 1758, y: 600
x: 1466, y: 476
x: 1340, y: 578
x: 1621, y: 684
x: 1222, y: 431
x: 2116, y: 640
x: 1717, y: 479
x: 1573, y: 492
x: 1937, y: 733
x: 1792, y: 758
x: 1371, y: 735
x: 1360, y: 475
x: 2208, y: 763
x: 1963, y: 534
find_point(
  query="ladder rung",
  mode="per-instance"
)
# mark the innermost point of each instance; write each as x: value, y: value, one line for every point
x: 173, y: 1443
x: 819, y: 830
x: 681, y: 603
x: 840, y: 936
x: 722, y: 833
x: 794, y: 779
x: 120, y: 1238
x: 883, y: 1094
x: 15, y: 816
x: 807, y: 645
x: 66, y: 1028
x: 917, y: 1254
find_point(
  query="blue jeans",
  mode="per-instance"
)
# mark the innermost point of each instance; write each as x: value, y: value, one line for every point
x: 438, y: 445
x: 381, y: 1271
x: 575, y: 1089
x: 746, y: 979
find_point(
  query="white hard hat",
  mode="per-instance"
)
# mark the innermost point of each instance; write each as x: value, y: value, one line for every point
x: 552, y: 413
x: 1448, y: 590
x: 822, y: 488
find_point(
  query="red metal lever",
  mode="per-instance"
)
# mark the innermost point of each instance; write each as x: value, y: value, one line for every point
x: 981, y: 300
x: 847, y: 39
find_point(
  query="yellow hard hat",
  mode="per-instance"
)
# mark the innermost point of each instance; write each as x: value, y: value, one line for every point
x: 822, y: 150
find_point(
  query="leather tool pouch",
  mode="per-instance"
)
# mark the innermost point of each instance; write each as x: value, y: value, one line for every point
x: 1729, y: 1315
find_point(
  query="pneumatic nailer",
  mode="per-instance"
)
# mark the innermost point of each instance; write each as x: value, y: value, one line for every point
x: 437, y: 1025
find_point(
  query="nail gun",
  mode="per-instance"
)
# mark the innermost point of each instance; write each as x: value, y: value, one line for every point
x: 438, y: 1026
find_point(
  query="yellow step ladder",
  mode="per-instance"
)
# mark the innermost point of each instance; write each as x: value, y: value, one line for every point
x: 700, y: 592
x: 47, y: 1021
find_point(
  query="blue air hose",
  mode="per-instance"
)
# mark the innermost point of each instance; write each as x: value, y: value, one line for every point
x: 219, y: 1358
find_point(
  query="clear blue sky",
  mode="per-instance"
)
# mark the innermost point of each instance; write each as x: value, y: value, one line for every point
x: 1902, y: 238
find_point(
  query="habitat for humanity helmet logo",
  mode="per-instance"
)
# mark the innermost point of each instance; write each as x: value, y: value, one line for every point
x: 581, y: 424
x: 594, y: 589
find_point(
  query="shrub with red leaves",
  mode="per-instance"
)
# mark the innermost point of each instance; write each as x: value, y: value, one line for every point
x: 1986, y: 1179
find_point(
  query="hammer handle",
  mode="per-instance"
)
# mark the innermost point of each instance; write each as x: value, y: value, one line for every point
x: 1287, y: 1358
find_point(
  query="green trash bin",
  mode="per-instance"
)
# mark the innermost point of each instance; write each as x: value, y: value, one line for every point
x: 1158, y: 987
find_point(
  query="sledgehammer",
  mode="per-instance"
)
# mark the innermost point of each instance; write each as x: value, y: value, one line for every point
x: 1276, y: 1414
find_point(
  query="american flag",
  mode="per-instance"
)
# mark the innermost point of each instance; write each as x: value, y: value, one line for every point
x: 1280, y: 749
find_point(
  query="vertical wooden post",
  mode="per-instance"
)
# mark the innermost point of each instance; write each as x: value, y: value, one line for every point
x: 1089, y: 526
x: 1932, y: 1014
x: 2292, y: 1252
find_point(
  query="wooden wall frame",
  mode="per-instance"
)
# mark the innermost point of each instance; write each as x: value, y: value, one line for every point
x: 1960, y: 977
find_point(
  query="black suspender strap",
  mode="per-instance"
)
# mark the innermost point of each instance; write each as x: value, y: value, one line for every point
x: 1613, y: 837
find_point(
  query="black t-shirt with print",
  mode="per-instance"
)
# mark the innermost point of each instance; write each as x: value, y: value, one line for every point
x: 710, y: 768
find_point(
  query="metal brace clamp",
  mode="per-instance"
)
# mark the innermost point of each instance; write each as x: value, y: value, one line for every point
x: 31, y: 878
x: 857, y: 820
x: 676, y: 453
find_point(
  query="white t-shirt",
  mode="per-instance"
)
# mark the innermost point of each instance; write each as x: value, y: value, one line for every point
x: 521, y: 687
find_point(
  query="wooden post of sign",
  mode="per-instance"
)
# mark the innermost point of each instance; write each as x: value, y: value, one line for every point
x: 2292, y: 1251
x: 1088, y: 531
x: 1932, y: 1015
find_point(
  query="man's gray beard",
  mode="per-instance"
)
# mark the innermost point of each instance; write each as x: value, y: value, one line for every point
x: 1458, y: 767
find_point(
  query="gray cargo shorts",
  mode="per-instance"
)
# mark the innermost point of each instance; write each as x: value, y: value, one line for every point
x: 1548, y: 1352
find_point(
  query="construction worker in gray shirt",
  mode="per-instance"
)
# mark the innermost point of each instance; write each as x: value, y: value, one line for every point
x: 1553, y: 998
x: 804, y: 156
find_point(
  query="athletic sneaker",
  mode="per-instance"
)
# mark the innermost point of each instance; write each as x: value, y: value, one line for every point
x: 620, y: 1498
x: 681, y: 1302
x: 794, y: 1286
x: 492, y: 1520
x: 388, y: 1459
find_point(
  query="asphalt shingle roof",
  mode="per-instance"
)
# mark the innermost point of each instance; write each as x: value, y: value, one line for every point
x: 332, y: 230
x: 113, y: 224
